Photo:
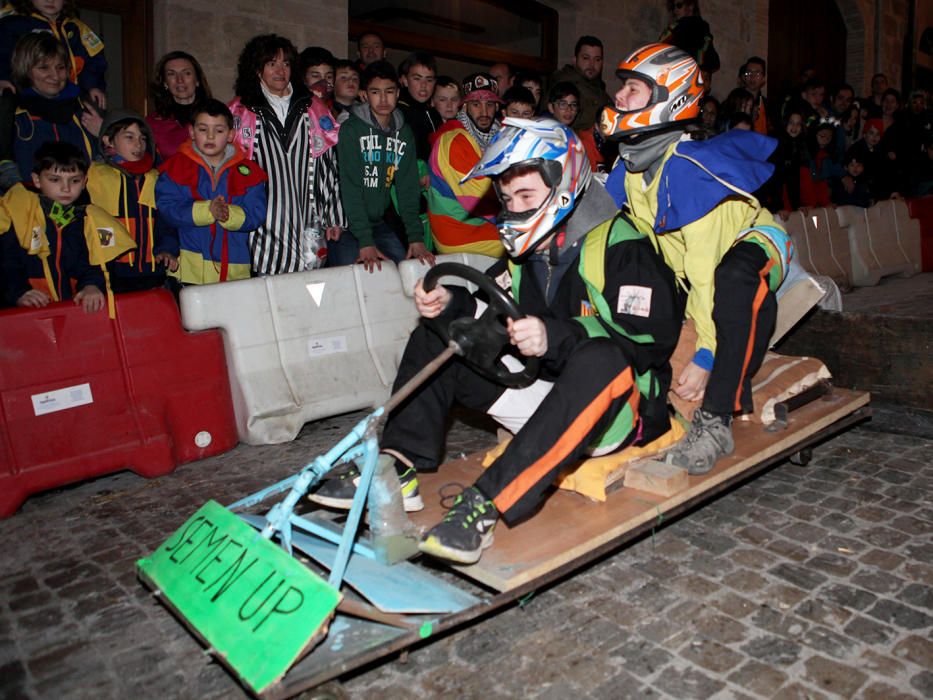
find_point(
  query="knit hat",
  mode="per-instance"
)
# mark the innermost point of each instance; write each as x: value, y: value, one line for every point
x: 480, y: 86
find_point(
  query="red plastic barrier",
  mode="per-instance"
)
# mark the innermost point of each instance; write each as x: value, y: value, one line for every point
x: 921, y: 208
x: 83, y: 395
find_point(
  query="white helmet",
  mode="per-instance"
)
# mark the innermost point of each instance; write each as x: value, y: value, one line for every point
x: 557, y: 153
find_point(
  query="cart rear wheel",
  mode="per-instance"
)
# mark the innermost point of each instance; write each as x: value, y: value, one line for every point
x: 802, y: 458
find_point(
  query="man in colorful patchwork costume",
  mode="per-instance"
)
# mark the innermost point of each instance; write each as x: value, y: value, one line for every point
x: 602, y: 312
x: 462, y: 210
x: 692, y: 199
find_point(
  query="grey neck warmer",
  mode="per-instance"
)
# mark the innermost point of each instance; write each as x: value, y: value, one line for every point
x: 645, y: 156
x: 595, y: 207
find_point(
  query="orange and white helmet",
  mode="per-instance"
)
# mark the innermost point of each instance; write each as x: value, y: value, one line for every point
x: 676, y: 91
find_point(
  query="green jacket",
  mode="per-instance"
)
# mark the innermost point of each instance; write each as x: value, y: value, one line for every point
x: 371, y: 162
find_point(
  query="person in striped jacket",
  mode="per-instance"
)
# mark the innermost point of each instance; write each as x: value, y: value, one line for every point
x: 292, y: 135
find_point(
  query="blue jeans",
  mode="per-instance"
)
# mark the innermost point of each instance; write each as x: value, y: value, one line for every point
x: 346, y: 250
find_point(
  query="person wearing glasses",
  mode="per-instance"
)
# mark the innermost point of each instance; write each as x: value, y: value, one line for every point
x: 563, y: 103
x: 752, y: 76
x: 690, y: 32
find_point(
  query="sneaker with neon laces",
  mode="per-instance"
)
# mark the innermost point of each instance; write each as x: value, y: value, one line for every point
x: 338, y: 490
x: 465, y: 531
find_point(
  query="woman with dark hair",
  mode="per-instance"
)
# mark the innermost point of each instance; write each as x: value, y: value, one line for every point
x: 739, y: 101
x: 291, y: 134
x: 791, y: 155
x: 178, y: 84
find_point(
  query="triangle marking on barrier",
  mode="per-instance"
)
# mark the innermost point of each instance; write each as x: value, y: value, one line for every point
x: 316, y: 290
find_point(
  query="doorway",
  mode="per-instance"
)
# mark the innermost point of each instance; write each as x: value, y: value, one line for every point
x: 804, y: 33
x: 125, y: 26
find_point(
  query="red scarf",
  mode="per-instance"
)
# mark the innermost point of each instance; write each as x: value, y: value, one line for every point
x: 138, y: 167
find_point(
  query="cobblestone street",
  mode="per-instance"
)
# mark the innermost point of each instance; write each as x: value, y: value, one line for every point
x: 807, y: 582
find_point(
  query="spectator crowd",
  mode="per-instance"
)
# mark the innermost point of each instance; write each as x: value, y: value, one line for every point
x: 326, y: 161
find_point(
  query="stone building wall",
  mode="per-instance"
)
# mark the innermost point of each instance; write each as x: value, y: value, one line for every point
x: 214, y: 31
x: 740, y: 30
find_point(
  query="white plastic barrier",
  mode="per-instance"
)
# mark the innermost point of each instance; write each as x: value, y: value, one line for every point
x: 305, y: 345
x: 866, y: 268
x: 884, y: 241
x: 895, y: 237
x: 822, y: 245
x: 309, y: 345
x: 412, y: 270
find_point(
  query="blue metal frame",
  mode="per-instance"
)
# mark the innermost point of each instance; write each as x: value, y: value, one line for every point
x: 359, y: 444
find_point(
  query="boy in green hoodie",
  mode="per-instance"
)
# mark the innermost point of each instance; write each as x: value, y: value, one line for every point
x: 376, y: 152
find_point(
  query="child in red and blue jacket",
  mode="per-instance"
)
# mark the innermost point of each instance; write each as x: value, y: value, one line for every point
x: 215, y: 196
x: 86, y: 62
x: 123, y: 185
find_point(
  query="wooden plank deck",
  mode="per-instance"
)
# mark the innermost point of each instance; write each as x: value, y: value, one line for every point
x: 567, y: 533
x: 569, y: 525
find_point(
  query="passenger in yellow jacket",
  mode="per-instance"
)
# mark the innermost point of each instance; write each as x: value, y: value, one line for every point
x: 692, y: 198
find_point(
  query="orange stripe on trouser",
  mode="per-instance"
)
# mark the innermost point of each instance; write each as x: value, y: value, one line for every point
x: 568, y: 441
x: 760, y: 296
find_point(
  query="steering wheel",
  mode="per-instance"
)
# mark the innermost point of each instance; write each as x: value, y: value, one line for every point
x: 481, y: 341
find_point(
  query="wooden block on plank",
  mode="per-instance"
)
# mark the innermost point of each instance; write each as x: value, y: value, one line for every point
x: 656, y: 477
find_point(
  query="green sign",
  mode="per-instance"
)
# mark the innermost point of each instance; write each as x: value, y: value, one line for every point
x: 258, y: 608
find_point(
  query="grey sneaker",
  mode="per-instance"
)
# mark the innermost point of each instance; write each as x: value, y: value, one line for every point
x: 339, y: 488
x: 709, y: 438
x: 465, y: 531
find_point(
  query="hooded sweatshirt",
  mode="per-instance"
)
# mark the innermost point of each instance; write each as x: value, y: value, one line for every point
x: 372, y: 160
x: 54, y: 247
x: 55, y: 263
x: 695, y: 219
x: 126, y: 191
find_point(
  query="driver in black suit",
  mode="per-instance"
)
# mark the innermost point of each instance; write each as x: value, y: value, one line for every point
x: 601, y: 312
